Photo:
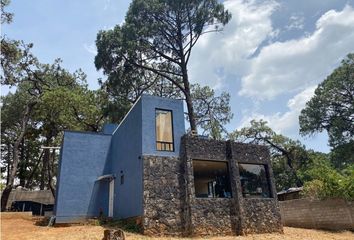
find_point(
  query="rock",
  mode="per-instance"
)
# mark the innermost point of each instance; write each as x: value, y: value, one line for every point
x: 113, y: 234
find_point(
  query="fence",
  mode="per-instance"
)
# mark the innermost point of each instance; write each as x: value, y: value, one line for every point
x: 331, y: 214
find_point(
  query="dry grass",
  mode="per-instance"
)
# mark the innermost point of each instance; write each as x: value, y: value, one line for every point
x: 17, y: 228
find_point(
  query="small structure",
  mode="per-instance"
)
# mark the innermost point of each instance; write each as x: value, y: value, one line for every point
x: 39, y: 202
x: 175, y: 184
x: 289, y: 194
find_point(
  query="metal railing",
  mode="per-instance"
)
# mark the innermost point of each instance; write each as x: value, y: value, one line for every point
x: 164, y: 146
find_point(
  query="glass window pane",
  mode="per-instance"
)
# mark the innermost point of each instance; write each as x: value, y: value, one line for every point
x: 211, y: 179
x: 164, y: 134
x: 254, y: 181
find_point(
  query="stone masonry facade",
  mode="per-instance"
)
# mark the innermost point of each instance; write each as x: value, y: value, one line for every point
x: 171, y: 206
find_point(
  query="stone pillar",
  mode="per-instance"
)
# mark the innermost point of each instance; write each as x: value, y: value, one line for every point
x: 162, y: 196
x: 257, y: 215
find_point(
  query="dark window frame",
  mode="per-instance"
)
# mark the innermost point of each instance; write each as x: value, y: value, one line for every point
x: 267, y: 175
x: 228, y: 173
x: 172, y: 129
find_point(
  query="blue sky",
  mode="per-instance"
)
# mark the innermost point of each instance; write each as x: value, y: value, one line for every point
x: 270, y: 57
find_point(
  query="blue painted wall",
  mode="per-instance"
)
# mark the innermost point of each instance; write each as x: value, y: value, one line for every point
x: 150, y: 104
x: 135, y: 137
x: 83, y: 158
x: 125, y: 159
x: 86, y: 156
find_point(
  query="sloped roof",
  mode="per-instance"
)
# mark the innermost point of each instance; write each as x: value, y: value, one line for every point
x: 40, y: 196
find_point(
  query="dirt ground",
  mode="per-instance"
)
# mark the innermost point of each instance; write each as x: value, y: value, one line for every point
x: 17, y: 228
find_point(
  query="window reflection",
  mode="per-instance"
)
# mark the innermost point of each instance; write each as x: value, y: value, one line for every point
x: 254, y: 181
x: 211, y: 179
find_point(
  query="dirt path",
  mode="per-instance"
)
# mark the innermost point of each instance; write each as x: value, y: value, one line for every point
x: 25, y: 229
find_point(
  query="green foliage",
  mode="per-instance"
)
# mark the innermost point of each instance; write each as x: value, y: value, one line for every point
x: 287, y: 155
x: 129, y: 225
x: 332, y: 106
x: 291, y: 162
x: 211, y: 112
x: 154, y: 44
x: 342, y: 155
x: 331, y: 109
x: 60, y: 101
x: 323, y: 181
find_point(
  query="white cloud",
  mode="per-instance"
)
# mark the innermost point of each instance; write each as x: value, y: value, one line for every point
x: 293, y: 65
x: 217, y: 55
x: 90, y: 48
x: 286, y: 123
x: 296, y: 21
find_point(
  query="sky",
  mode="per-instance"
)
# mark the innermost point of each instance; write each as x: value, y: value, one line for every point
x: 270, y: 57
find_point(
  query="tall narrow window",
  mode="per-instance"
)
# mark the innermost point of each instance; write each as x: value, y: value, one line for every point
x: 164, y: 130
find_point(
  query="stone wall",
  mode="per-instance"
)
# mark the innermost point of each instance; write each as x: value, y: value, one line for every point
x: 261, y: 216
x: 211, y: 217
x: 205, y: 216
x: 170, y: 205
x: 237, y: 215
x: 257, y: 215
x: 162, y: 196
x: 331, y: 214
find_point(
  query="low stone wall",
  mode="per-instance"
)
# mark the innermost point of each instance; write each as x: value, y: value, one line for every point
x: 331, y: 214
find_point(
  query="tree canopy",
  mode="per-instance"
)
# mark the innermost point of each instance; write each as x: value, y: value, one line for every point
x: 287, y: 155
x: 47, y: 100
x: 332, y: 106
x: 211, y: 112
x: 331, y: 109
x: 155, y: 43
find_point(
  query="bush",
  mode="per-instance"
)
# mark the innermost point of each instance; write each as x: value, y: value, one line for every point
x: 326, y: 182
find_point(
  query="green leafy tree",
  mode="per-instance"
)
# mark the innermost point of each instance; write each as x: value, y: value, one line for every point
x: 155, y: 43
x: 331, y: 109
x: 47, y: 100
x: 211, y: 112
x: 287, y: 155
x: 342, y: 155
x: 61, y: 101
x: 322, y: 180
x: 121, y: 95
x: 16, y: 113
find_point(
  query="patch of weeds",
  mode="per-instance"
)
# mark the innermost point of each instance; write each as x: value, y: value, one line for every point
x: 129, y: 225
x: 41, y: 221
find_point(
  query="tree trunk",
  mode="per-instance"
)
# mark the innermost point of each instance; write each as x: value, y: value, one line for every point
x: 190, y: 111
x: 22, y: 165
x: 183, y: 65
x: 289, y: 161
x: 29, y: 180
x: 50, y: 182
x: 16, y: 150
x: 8, y: 163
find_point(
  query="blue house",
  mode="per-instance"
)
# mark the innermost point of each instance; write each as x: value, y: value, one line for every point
x: 147, y: 168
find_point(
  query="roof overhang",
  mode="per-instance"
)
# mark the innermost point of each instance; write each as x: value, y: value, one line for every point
x: 108, y: 177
